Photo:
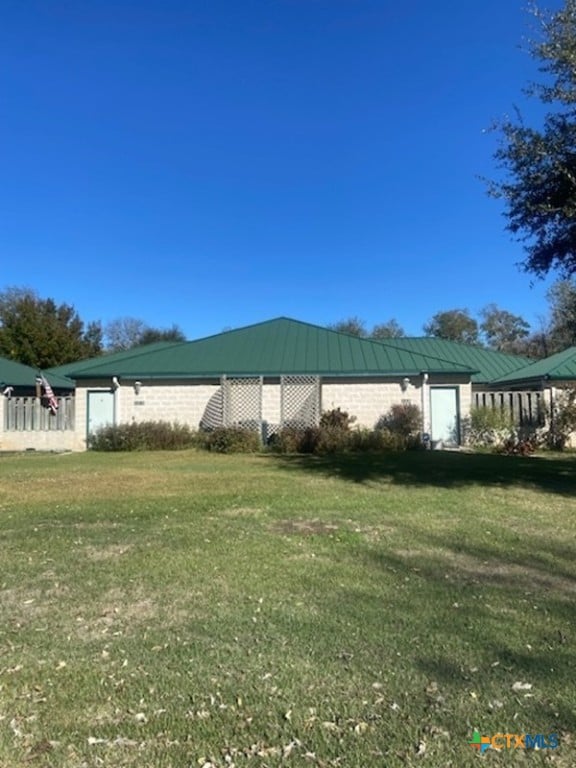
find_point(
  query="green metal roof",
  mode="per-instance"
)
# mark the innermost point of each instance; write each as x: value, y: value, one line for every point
x: 13, y: 374
x: 65, y: 370
x: 560, y: 366
x: 276, y: 347
x: 488, y: 363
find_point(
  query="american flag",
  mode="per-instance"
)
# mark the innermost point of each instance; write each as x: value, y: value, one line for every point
x: 49, y: 394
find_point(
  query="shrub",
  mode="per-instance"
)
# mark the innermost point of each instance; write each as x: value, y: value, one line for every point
x: 336, y: 419
x: 563, y: 421
x: 143, y: 436
x: 231, y: 440
x: 404, y: 422
x: 334, y: 434
x: 333, y: 440
x: 404, y: 419
x: 377, y: 440
x: 489, y: 426
x: 295, y: 440
x: 330, y: 440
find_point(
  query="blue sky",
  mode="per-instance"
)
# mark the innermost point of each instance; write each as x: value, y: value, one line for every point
x: 214, y: 163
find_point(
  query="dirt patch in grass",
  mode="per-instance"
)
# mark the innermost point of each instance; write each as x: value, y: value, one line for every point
x: 22, y: 605
x: 106, y: 552
x: 17, y: 597
x: 241, y: 512
x: 304, y: 528
x: 118, y: 612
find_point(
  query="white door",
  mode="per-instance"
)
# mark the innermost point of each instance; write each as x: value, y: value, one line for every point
x: 100, y: 410
x: 444, y: 415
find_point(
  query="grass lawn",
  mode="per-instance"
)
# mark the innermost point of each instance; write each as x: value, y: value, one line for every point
x: 188, y: 609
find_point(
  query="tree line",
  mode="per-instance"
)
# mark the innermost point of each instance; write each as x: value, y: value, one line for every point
x: 494, y: 328
x: 42, y: 333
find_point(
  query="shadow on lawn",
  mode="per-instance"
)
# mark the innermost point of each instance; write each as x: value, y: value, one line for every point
x: 486, y: 598
x: 473, y: 630
x: 445, y: 469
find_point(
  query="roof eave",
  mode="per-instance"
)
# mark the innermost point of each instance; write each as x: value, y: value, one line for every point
x: 217, y: 374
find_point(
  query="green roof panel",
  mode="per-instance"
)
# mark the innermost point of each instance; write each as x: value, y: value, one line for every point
x: 13, y: 374
x: 487, y: 363
x: 561, y: 366
x: 64, y: 370
x: 275, y: 347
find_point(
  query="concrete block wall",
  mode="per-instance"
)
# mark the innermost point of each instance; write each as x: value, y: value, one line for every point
x: 182, y: 402
x: 367, y: 400
x: 175, y: 402
x: 185, y: 402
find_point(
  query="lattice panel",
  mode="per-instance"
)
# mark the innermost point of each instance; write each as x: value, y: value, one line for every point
x: 300, y: 401
x: 242, y: 400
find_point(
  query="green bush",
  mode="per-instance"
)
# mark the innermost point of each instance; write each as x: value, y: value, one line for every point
x: 377, y: 440
x: 333, y: 440
x: 489, y: 426
x: 319, y: 440
x: 143, y: 436
x: 333, y: 435
x: 563, y: 421
x: 231, y: 440
x: 403, y: 419
x: 295, y: 440
x: 336, y: 419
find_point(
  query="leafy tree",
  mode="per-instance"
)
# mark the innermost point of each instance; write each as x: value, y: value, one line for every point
x: 391, y: 329
x: 502, y: 329
x: 352, y: 325
x: 539, y: 164
x: 453, y: 324
x: 162, y: 334
x: 41, y: 333
x: 129, y: 332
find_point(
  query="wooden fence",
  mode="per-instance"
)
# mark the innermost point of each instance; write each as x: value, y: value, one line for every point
x: 525, y: 408
x: 29, y: 414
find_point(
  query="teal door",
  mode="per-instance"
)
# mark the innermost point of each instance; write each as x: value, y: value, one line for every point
x: 444, y: 419
x: 100, y: 410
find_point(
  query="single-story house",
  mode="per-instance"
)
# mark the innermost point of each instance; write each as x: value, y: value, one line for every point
x: 36, y: 409
x: 267, y: 375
